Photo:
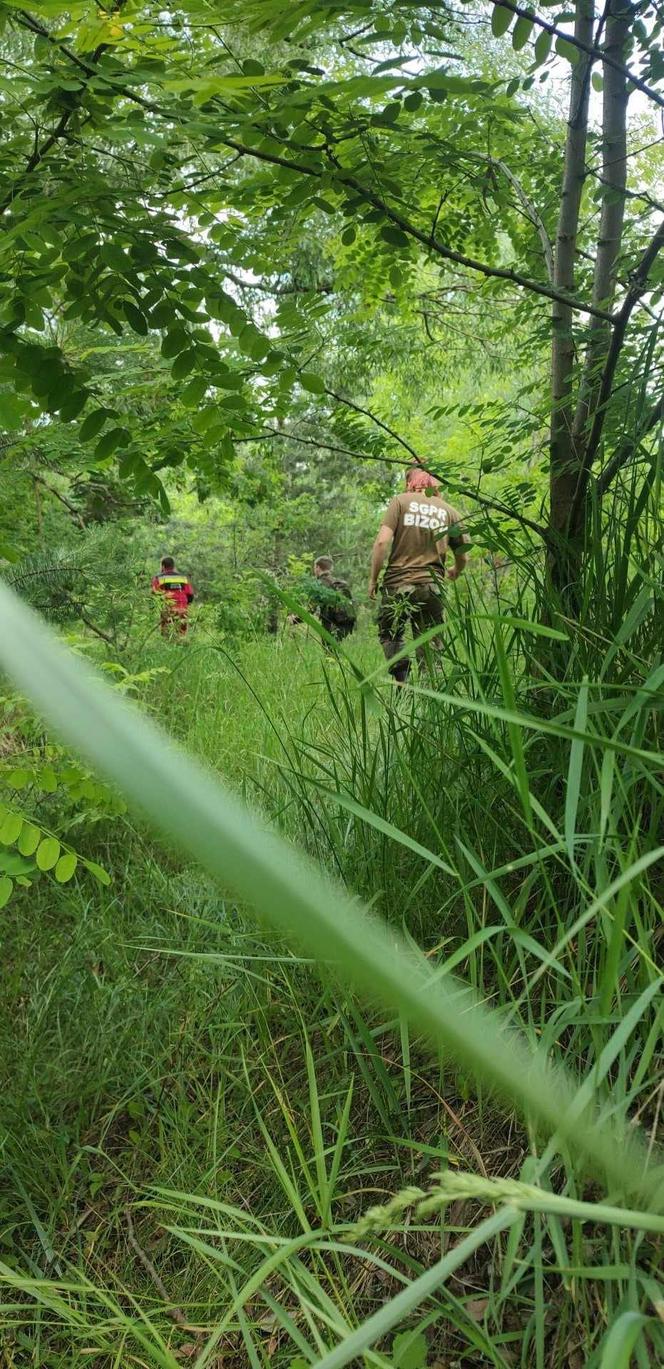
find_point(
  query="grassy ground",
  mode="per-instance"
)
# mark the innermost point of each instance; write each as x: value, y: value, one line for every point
x: 192, y: 1120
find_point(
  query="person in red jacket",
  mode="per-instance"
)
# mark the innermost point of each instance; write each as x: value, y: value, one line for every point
x: 176, y: 593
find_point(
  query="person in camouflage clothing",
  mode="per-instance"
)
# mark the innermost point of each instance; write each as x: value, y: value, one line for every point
x: 329, y: 599
x: 333, y: 599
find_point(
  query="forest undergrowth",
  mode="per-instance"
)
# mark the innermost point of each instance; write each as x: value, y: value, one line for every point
x: 331, y: 1012
x: 195, y: 1118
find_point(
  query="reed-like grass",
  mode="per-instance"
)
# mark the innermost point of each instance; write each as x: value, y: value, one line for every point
x: 201, y: 1109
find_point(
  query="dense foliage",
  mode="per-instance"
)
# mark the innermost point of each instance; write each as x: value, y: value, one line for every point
x: 261, y: 211
x: 256, y: 259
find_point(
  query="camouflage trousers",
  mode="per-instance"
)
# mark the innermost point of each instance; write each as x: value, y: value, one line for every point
x: 335, y: 629
x: 419, y: 605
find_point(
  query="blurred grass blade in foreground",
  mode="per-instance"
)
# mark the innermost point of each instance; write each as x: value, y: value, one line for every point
x: 288, y: 890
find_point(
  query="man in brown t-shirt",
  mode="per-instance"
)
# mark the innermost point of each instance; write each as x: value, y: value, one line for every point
x: 421, y: 527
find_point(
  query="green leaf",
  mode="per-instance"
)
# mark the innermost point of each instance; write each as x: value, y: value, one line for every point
x: 522, y: 31
x: 6, y: 890
x: 73, y: 405
x: 194, y: 392
x: 621, y: 1341
x: 18, y: 779
x: 112, y: 254
x: 93, y: 424
x: 48, y: 853
x: 409, y: 1350
x: 575, y: 769
x: 183, y: 364
x: 110, y: 441
x: 66, y: 867
x: 376, y: 1326
x: 205, y: 88
x: 163, y: 315
x: 11, y: 829
x: 597, y: 81
x: 100, y: 874
x: 252, y: 342
x: 47, y: 780
x: 382, y: 825
x: 309, y: 381
x: 204, y: 420
x: 175, y: 342
x: 135, y: 318
x: 222, y: 307
x: 567, y: 50
x: 395, y: 236
x: 14, y: 864
x: 524, y: 625
x: 29, y: 839
x: 229, y: 380
x: 515, y: 736
x: 501, y: 19
x: 543, y: 44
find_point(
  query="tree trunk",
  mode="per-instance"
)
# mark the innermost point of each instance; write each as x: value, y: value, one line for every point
x: 39, y: 519
x: 276, y: 567
x: 614, y: 181
x: 564, y: 549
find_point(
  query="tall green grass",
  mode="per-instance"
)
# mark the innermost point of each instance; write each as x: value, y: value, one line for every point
x: 503, y: 818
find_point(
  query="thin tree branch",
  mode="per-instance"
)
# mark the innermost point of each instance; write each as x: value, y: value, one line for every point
x: 90, y: 67
x: 530, y: 210
x: 25, y: 20
x: 39, y: 480
x: 639, y: 280
x: 326, y: 288
x: 37, y: 156
x: 98, y: 631
x: 430, y: 242
x: 589, y: 48
x: 470, y: 263
x: 642, y: 195
x: 609, y: 238
x: 463, y: 490
x: 561, y: 474
x: 627, y: 448
x: 366, y: 413
x: 346, y: 179
x: 175, y: 1313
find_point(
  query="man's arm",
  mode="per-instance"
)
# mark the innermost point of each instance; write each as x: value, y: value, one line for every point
x: 378, y: 553
x: 460, y: 556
